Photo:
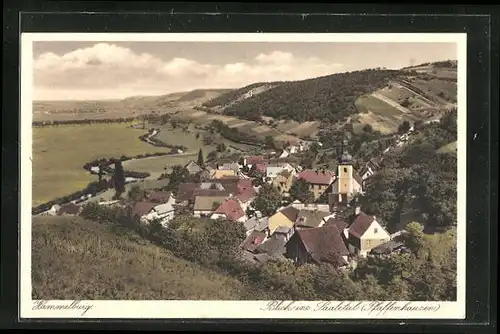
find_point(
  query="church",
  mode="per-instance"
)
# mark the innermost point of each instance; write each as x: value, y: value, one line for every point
x: 347, y: 182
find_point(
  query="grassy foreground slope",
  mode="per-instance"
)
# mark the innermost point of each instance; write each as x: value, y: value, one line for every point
x: 73, y: 258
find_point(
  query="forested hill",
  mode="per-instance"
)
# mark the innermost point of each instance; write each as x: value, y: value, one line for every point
x: 329, y: 98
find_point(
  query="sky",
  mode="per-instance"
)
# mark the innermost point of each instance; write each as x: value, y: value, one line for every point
x: 115, y: 70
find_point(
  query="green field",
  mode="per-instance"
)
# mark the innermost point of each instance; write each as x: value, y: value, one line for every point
x: 59, y: 152
x: 79, y: 259
x: 380, y: 115
x: 158, y: 165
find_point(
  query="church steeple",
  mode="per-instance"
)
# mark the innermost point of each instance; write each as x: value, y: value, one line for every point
x: 345, y: 157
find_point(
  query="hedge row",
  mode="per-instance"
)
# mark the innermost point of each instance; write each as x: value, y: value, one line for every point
x: 82, y: 121
x: 158, y: 143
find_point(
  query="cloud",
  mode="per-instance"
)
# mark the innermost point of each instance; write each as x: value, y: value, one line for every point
x: 107, y: 70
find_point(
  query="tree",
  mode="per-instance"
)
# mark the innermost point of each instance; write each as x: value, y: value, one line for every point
x: 119, y: 179
x: 268, y: 200
x: 200, y: 161
x: 212, y: 155
x: 269, y: 142
x: 404, y: 127
x: 300, y: 191
x: 135, y: 193
x: 178, y: 175
x: 257, y: 178
x: 415, y: 237
x: 221, y: 147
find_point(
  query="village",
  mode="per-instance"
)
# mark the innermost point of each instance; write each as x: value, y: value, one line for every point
x: 329, y: 228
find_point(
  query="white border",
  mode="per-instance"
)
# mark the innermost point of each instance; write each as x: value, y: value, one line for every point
x: 233, y: 309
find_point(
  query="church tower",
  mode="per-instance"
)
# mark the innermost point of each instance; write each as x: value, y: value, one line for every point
x: 345, y: 185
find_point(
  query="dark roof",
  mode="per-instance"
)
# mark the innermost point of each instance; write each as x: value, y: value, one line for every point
x: 357, y: 177
x: 253, y: 241
x: 309, y: 218
x: 141, y: 208
x: 158, y: 196
x: 387, y: 248
x: 324, y: 244
x: 360, y: 224
x: 290, y: 212
x: 186, y: 191
x: 339, y: 223
x: 275, y: 245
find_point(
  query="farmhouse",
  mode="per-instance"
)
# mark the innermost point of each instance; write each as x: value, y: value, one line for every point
x: 283, y: 218
x: 230, y: 209
x: 365, y: 233
x: 318, y: 245
x: 193, y: 168
x: 164, y: 212
x: 283, y: 181
x: 319, y: 181
x: 272, y: 170
x: 310, y: 219
x: 206, y: 205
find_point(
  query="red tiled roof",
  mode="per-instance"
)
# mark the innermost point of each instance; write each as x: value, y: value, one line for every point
x: 317, y: 177
x: 256, y: 159
x: 245, y: 189
x: 339, y: 223
x: 261, y: 167
x: 253, y: 241
x: 231, y: 209
x: 360, y: 224
x: 324, y: 244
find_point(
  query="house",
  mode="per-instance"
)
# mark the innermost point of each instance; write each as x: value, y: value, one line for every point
x: 229, y: 166
x: 220, y: 173
x: 159, y: 196
x: 318, y: 245
x: 188, y: 191
x: 274, y: 246
x: 310, y: 219
x: 261, y: 168
x: 193, y: 168
x: 253, y: 160
x: 370, y: 168
x: 245, y: 192
x: 319, y: 181
x: 142, y: 208
x: 206, y: 205
x: 52, y: 211
x: 347, y: 183
x: 293, y: 149
x: 284, y: 217
x: 365, y: 233
x: 284, y: 153
x: 69, y: 209
x: 164, y: 211
x: 272, y: 170
x: 283, y: 181
x: 392, y: 246
x: 311, y: 206
x: 230, y: 209
x: 253, y: 240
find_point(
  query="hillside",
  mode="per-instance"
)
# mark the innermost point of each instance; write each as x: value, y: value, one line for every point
x: 379, y: 97
x: 128, y: 107
x: 75, y: 258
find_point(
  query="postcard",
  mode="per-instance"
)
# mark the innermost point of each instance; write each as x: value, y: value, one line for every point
x: 259, y: 175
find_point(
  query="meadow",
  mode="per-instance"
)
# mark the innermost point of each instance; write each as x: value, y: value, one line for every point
x: 379, y: 114
x: 80, y: 259
x: 59, y: 152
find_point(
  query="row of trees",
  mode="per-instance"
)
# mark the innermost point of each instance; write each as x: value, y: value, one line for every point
x: 82, y: 121
x: 233, y: 134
